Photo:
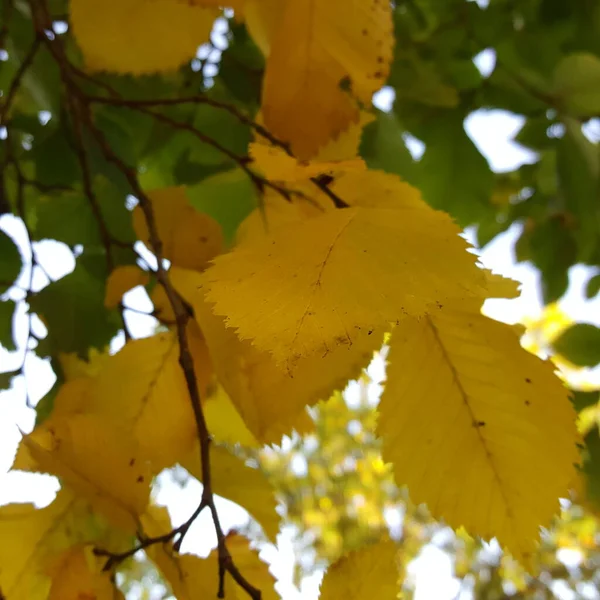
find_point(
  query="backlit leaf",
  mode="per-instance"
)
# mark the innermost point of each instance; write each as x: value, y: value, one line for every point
x: 476, y: 427
x: 135, y: 36
x: 294, y: 294
x: 371, y: 571
x: 143, y: 388
x: 41, y: 534
x: 115, y: 480
x: 318, y: 46
x: 190, y: 239
x: 120, y: 281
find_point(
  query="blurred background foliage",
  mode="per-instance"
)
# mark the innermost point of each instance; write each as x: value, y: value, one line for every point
x: 544, y: 60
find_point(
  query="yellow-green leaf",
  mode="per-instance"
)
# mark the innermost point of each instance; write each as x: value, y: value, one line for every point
x: 369, y: 572
x: 32, y: 537
x: 476, y: 427
x: 78, y: 575
x: 138, y: 37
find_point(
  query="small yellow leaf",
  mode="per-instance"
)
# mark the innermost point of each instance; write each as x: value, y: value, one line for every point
x: 120, y: 281
x: 276, y: 165
x: 190, y: 239
x: 476, y: 427
x: 369, y: 572
x: 309, y: 287
x: 320, y: 45
x: 73, y: 367
x: 244, y: 485
x: 272, y: 401
x: 143, y: 388
x: 98, y: 461
x: 225, y: 423
x: 499, y: 286
x: 31, y: 539
x: 347, y: 144
x: 138, y: 37
x: 77, y: 575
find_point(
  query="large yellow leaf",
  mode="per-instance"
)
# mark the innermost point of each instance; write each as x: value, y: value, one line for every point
x: 120, y: 281
x: 318, y: 284
x: 371, y: 572
x: 77, y: 575
x: 190, y: 238
x: 244, y: 485
x: 137, y: 36
x: 262, y: 18
x: 191, y: 577
x: 320, y: 45
x: 476, y: 427
x: 143, y: 388
x: 271, y: 400
x: 97, y: 460
x: 32, y: 537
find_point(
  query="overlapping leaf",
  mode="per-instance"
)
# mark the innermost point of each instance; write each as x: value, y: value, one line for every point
x: 317, y: 46
x: 321, y: 283
x: 371, y: 571
x: 98, y: 461
x: 478, y: 428
x: 139, y: 37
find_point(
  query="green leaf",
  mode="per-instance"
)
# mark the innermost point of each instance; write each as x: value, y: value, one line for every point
x: 580, y: 344
x: 383, y: 147
x: 72, y: 309
x: 7, y: 309
x: 6, y: 379
x: 227, y: 197
x: 591, y: 465
x: 70, y: 218
x: 593, y: 287
x: 10, y: 262
x: 577, y: 84
x: 55, y: 162
x: 578, y: 184
x: 583, y: 400
x: 453, y: 175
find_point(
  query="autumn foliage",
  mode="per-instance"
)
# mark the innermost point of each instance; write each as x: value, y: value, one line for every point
x: 279, y: 257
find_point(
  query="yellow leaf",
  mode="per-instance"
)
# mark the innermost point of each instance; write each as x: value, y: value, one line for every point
x: 191, y: 577
x: 120, y: 281
x: 78, y: 575
x: 272, y: 401
x: 32, y: 537
x: 262, y: 19
x: 310, y: 286
x: 348, y: 143
x: 276, y: 165
x: 143, y: 388
x: 138, y: 37
x: 225, y: 423
x: 476, y: 427
x: 244, y: 485
x: 368, y: 572
x: 499, y: 286
x: 73, y: 367
x: 319, y: 45
x: 98, y: 461
x: 190, y: 238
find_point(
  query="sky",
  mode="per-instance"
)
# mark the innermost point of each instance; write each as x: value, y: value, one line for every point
x: 492, y: 132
